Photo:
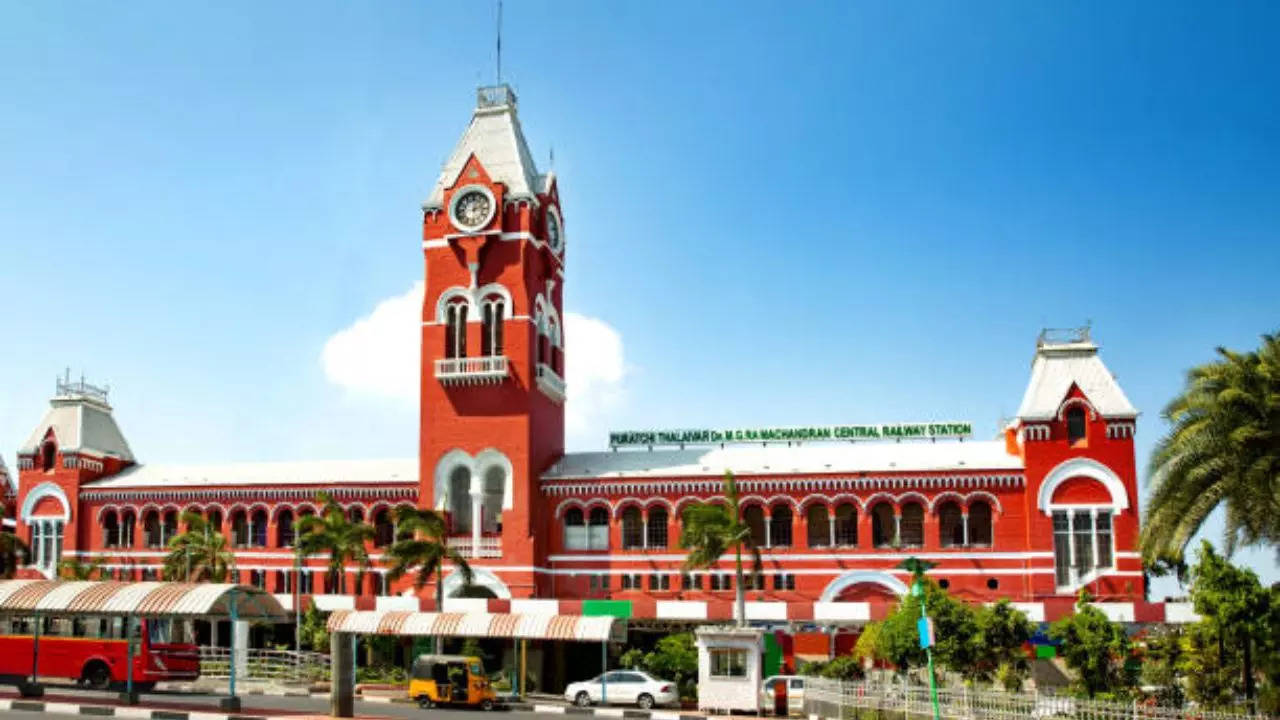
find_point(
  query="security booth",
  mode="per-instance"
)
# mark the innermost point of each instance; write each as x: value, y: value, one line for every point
x: 125, y: 634
x: 346, y: 625
x: 729, y: 668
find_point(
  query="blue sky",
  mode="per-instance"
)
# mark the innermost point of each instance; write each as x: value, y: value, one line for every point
x: 777, y: 213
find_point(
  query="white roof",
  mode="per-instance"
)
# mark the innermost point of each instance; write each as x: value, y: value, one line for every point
x: 265, y: 474
x: 909, y: 456
x: 80, y: 425
x: 495, y: 138
x: 1057, y: 367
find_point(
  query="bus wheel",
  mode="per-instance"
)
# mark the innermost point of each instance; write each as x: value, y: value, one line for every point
x: 486, y: 704
x: 97, y: 675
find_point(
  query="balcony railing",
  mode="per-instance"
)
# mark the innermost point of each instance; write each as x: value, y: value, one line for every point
x: 490, y: 546
x: 550, y: 383
x: 472, y: 371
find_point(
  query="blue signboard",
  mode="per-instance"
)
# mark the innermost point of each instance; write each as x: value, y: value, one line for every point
x: 925, y: 626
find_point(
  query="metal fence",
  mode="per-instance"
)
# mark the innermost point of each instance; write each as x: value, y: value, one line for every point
x: 837, y: 700
x: 269, y: 665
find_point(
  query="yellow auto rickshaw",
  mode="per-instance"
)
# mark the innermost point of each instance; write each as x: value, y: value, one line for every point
x: 456, y: 680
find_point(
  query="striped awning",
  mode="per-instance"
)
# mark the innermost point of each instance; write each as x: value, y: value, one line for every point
x: 144, y: 599
x: 492, y: 625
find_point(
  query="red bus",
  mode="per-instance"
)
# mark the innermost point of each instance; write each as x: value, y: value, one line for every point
x: 94, y: 652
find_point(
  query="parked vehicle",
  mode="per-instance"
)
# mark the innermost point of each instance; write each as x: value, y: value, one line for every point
x: 794, y: 685
x: 94, y: 651
x: 451, y: 680
x: 623, y: 687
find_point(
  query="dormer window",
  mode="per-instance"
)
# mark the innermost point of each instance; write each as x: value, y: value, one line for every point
x: 48, y: 455
x: 1075, y: 425
x: 455, y: 338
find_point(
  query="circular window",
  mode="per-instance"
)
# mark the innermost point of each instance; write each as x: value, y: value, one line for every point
x: 555, y: 231
x: 472, y: 207
x: 944, y: 583
x: 992, y: 583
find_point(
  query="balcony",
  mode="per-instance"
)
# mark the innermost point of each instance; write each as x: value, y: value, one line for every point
x: 490, y: 546
x: 472, y: 371
x: 551, y: 384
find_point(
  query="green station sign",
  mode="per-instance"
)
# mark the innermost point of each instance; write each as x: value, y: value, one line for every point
x: 885, y: 431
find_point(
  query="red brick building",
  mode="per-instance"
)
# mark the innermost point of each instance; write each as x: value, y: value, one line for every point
x: 1047, y: 507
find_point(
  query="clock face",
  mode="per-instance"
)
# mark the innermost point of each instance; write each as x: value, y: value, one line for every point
x: 553, y: 231
x: 472, y: 209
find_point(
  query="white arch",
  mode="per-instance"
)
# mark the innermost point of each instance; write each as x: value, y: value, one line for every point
x: 876, y: 498
x: 107, y: 508
x: 806, y: 501
x: 490, y: 458
x: 479, y: 578
x: 842, y: 498
x: 943, y: 497
x: 457, y: 291
x: 986, y: 496
x: 41, y: 491
x: 1062, y: 409
x: 498, y: 289
x: 912, y: 495
x: 773, y: 501
x: 627, y: 502
x: 444, y: 468
x: 566, y: 504
x: 1082, y: 467
x: 857, y: 577
x: 671, y: 508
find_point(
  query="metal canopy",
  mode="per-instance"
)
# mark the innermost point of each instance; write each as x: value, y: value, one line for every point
x: 144, y: 599
x: 577, y: 628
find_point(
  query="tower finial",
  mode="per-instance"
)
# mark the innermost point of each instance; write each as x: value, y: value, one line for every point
x: 499, y: 42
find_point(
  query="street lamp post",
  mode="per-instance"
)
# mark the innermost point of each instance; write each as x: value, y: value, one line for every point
x: 925, y: 625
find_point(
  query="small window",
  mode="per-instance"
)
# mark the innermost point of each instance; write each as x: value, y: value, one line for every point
x: 690, y: 581
x: 656, y: 529
x: 48, y: 453
x: 944, y: 583
x: 728, y: 663
x: 1075, y: 425
x: 992, y: 583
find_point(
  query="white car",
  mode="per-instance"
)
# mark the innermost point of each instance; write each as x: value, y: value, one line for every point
x: 795, y: 692
x: 623, y: 687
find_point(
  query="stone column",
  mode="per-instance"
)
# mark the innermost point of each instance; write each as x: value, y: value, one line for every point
x: 240, y: 629
x: 343, y: 683
x: 477, y: 521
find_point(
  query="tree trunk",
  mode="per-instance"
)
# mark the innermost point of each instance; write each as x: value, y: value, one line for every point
x: 440, y: 603
x: 739, y: 595
x: 1248, y: 669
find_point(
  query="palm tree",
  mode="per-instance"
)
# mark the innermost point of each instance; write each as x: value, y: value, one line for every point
x: 422, y: 542
x: 333, y: 532
x: 13, y: 550
x: 73, y: 569
x: 712, y: 529
x: 1223, y: 449
x: 198, y: 554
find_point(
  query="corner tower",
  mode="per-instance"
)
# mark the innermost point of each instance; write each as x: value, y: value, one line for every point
x: 492, y: 394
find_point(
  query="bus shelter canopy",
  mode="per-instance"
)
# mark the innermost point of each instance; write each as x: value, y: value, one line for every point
x: 525, y: 626
x: 142, y: 599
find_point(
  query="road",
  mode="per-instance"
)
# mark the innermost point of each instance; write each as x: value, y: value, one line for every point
x: 258, y: 705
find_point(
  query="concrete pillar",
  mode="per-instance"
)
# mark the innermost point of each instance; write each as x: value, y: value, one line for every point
x: 343, y: 686
x: 477, y: 522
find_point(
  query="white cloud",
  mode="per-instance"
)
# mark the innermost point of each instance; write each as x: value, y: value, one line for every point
x: 378, y: 355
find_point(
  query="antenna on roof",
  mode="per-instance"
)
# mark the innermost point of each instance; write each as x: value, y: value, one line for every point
x: 499, y: 42
x: 551, y: 159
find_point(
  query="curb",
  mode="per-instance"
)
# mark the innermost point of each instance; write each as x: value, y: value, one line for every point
x: 617, y: 713
x: 39, y: 706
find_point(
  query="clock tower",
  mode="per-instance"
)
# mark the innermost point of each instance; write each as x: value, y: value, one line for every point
x: 492, y: 393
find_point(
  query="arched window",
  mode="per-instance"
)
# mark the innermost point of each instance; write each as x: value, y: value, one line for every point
x: 214, y: 520
x: 152, y: 530
x: 127, y: 523
x: 48, y: 455
x: 542, y: 349
x: 753, y: 517
x: 980, y: 524
x: 950, y: 525
x: 495, y: 488
x: 492, y: 310
x: 170, y: 527
x: 282, y: 582
x: 598, y: 528
x: 846, y: 525
x: 883, y: 525
x: 632, y: 529
x: 383, y: 529
x: 657, y: 527
x: 459, y: 501
x: 259, y: 528
x: 284, y: 529
x: 239, y: 529
x: 110, y: 529
x: 819, y: 525
x: 780, y: 525
x: 455, y: 335
x: 356, y: 514
x: 912, y: 526
x: 575, y: 530
x: 1075, y: 424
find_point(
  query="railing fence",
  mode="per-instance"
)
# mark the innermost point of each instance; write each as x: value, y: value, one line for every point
x: 269, y: 665
x: 863, y: 700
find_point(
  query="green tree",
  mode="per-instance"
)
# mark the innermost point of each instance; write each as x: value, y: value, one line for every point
x: 1223, y: 449
x: 1096, y: 648
x: 314, y: 629
x: 333, y: 532
x: 1210, y: 673
x: 675, y: 657
x: 422, y: 547
x: 13, y: 550
x: 999, y: 645
x: 712, y: 529
x: 1162, y: 663
x: 1234, y: 603
x: 74, y: 569
x: 896, y: 639
x: 197, y: 554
